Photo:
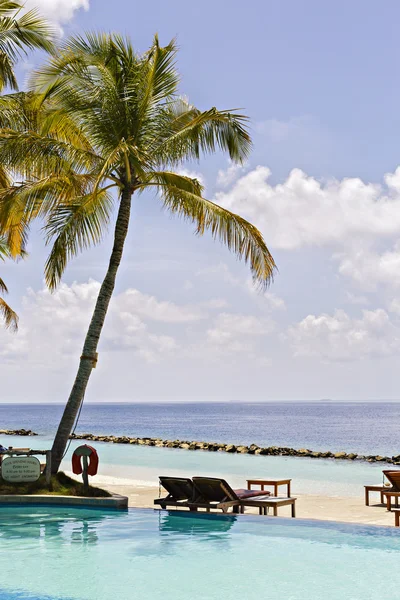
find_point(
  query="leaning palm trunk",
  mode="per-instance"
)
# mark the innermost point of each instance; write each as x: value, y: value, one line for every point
x: 89, y: 355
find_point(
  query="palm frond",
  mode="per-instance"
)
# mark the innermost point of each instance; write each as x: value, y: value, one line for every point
x: 74, y: 228
x: 162, y: 179
x: 187, y: 132
x: 240, y: 236
x: 158, y: 78
x: 29, y: 153
x: 10, y: 317
x: 20, y: 32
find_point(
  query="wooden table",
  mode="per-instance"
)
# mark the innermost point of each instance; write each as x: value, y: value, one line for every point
x: 389, y: 494
x: 270, y: 482
x: 375, y: 488
x: 265, y: 502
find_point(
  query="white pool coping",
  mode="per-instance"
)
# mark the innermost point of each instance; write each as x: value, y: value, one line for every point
x: 114, y: 501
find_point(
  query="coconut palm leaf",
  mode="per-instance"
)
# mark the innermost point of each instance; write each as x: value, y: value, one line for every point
x: 9, y: 317
x: 20, y: 32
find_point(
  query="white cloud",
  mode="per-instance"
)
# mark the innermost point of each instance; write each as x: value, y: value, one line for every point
x: 219, y: 271
x: 369, y: 268
x: 232, y: 328
x: 58, y: 11
x: 268, y: 300
x: 279, y: 131
x: 55, y: 324
x: 188, y: 285
x: 394, y: 306
x: 274, y: 302
x: 355, y: 299
x: 302, y: 211
x: 148, y: 307
x: 339, y: 337
x: 227, y: 176
x: 358, y: 222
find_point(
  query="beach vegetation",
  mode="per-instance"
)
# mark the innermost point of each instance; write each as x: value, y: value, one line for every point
x: 61, y: 485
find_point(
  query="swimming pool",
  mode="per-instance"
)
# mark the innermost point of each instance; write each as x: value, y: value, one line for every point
x: 86, y: 554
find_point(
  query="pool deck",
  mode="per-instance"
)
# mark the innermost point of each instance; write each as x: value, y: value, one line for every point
x: 324, y: 508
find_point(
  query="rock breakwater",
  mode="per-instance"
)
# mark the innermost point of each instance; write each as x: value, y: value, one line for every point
x: 234, y: 449
x: 22, y: 432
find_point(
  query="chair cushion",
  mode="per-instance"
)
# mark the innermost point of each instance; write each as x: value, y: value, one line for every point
x: 242, y: 494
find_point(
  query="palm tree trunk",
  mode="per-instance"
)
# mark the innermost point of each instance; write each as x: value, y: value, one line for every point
x: 88, y: 358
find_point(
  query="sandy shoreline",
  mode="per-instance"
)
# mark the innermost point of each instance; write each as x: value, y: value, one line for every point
x: 326, y: 508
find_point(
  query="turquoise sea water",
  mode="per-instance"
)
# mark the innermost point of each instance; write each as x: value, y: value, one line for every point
x: 145, y: 464
x: 71, y: 554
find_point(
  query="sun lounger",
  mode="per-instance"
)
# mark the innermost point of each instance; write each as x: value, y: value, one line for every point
x: 180, y: 491
x: 394, y: 478
x: 212, y: 492
x: 392, y: 492
x: 208, y: 493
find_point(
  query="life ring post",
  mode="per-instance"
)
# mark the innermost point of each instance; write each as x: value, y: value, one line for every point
x: 85, y: 475
x: 85, y: 461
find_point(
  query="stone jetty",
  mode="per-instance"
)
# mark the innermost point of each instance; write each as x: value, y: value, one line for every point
x: 23, y: 432
x: 234, y: 449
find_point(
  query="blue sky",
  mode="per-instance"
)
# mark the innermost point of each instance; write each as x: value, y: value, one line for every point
x: 318, y: 82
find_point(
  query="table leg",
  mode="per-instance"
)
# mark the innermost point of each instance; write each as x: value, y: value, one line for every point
x: 293, y: 509
x: 396, y: 501
x: 275, y: 489
x: 366, y: 497
x: 288, y: 489
x: 397, y: 519
x: 388, y: 503
x: 275, y: 510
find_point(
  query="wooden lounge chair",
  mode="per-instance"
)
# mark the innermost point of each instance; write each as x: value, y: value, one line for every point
x: 394, y: 478
x: 180, y: 492
x: 215, y: 493
x: 210, y: 494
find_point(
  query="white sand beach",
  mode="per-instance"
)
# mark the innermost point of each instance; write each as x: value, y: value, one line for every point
x: 326, y: 508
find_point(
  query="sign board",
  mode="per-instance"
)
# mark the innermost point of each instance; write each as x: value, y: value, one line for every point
x: 20, y: 469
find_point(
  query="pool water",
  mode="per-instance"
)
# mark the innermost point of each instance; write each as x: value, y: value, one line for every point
x: 51, y: 553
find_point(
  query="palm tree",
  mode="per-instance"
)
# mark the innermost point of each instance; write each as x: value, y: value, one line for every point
x: 9, y: 316
x: 20, y: 31
x: 113, y: 127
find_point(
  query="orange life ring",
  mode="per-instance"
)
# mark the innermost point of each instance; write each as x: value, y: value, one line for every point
x: 77, y: 460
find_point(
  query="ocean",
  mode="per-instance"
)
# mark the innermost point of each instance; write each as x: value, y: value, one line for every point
x: 367, y: 428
